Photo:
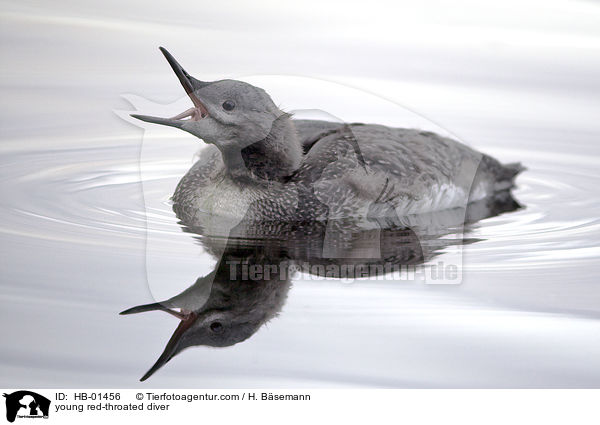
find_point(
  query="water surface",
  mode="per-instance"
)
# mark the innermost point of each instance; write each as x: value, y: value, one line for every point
x: 75, y: 218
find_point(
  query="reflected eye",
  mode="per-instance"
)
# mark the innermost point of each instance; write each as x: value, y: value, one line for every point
x: 216, y: 327
x: 228, y: 105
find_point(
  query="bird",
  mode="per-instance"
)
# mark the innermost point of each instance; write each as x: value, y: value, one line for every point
x: 262, y: 164
x: 319, y: 193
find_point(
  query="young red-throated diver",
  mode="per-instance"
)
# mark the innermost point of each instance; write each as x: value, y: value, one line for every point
x: 264, y: 165
x: 284, y: 176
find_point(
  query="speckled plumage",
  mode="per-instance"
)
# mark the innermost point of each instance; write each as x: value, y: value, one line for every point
x: 414, y: 171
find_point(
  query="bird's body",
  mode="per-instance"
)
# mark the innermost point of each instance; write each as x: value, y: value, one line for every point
x: 344, y: 171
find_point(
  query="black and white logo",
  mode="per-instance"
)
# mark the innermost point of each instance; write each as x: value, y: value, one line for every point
x: 26, y: 404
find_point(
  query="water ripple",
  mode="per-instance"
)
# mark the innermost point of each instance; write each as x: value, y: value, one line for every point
x: 98, y: 192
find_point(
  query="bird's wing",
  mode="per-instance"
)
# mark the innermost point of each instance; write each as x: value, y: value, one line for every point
x: 311, y: 131
x: 423, y: 171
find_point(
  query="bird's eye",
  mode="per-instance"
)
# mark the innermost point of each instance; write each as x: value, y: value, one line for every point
x: 228, y: 105
x: 216, y: 327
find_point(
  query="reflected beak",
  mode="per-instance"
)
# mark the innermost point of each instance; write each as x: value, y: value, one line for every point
x: 154, y: 307
x: 187, y: 320
x: 190, y: 85
x: 172, y: 347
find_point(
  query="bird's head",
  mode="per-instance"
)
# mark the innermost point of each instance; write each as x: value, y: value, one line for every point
x: 228, y: 113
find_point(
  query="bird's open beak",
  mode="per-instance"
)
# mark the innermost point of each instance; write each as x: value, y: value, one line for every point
x: 187, y: 320
x: 191, y: 85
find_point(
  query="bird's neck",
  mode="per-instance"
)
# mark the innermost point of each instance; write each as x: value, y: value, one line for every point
x: 273, y: 158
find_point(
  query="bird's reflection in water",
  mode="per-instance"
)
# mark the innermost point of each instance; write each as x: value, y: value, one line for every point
x: 256, y: 263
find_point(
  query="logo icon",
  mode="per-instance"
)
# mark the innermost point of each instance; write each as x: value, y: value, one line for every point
x: 26, y: 404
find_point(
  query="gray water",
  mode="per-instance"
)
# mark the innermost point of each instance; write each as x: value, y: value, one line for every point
x: 85, y: 192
